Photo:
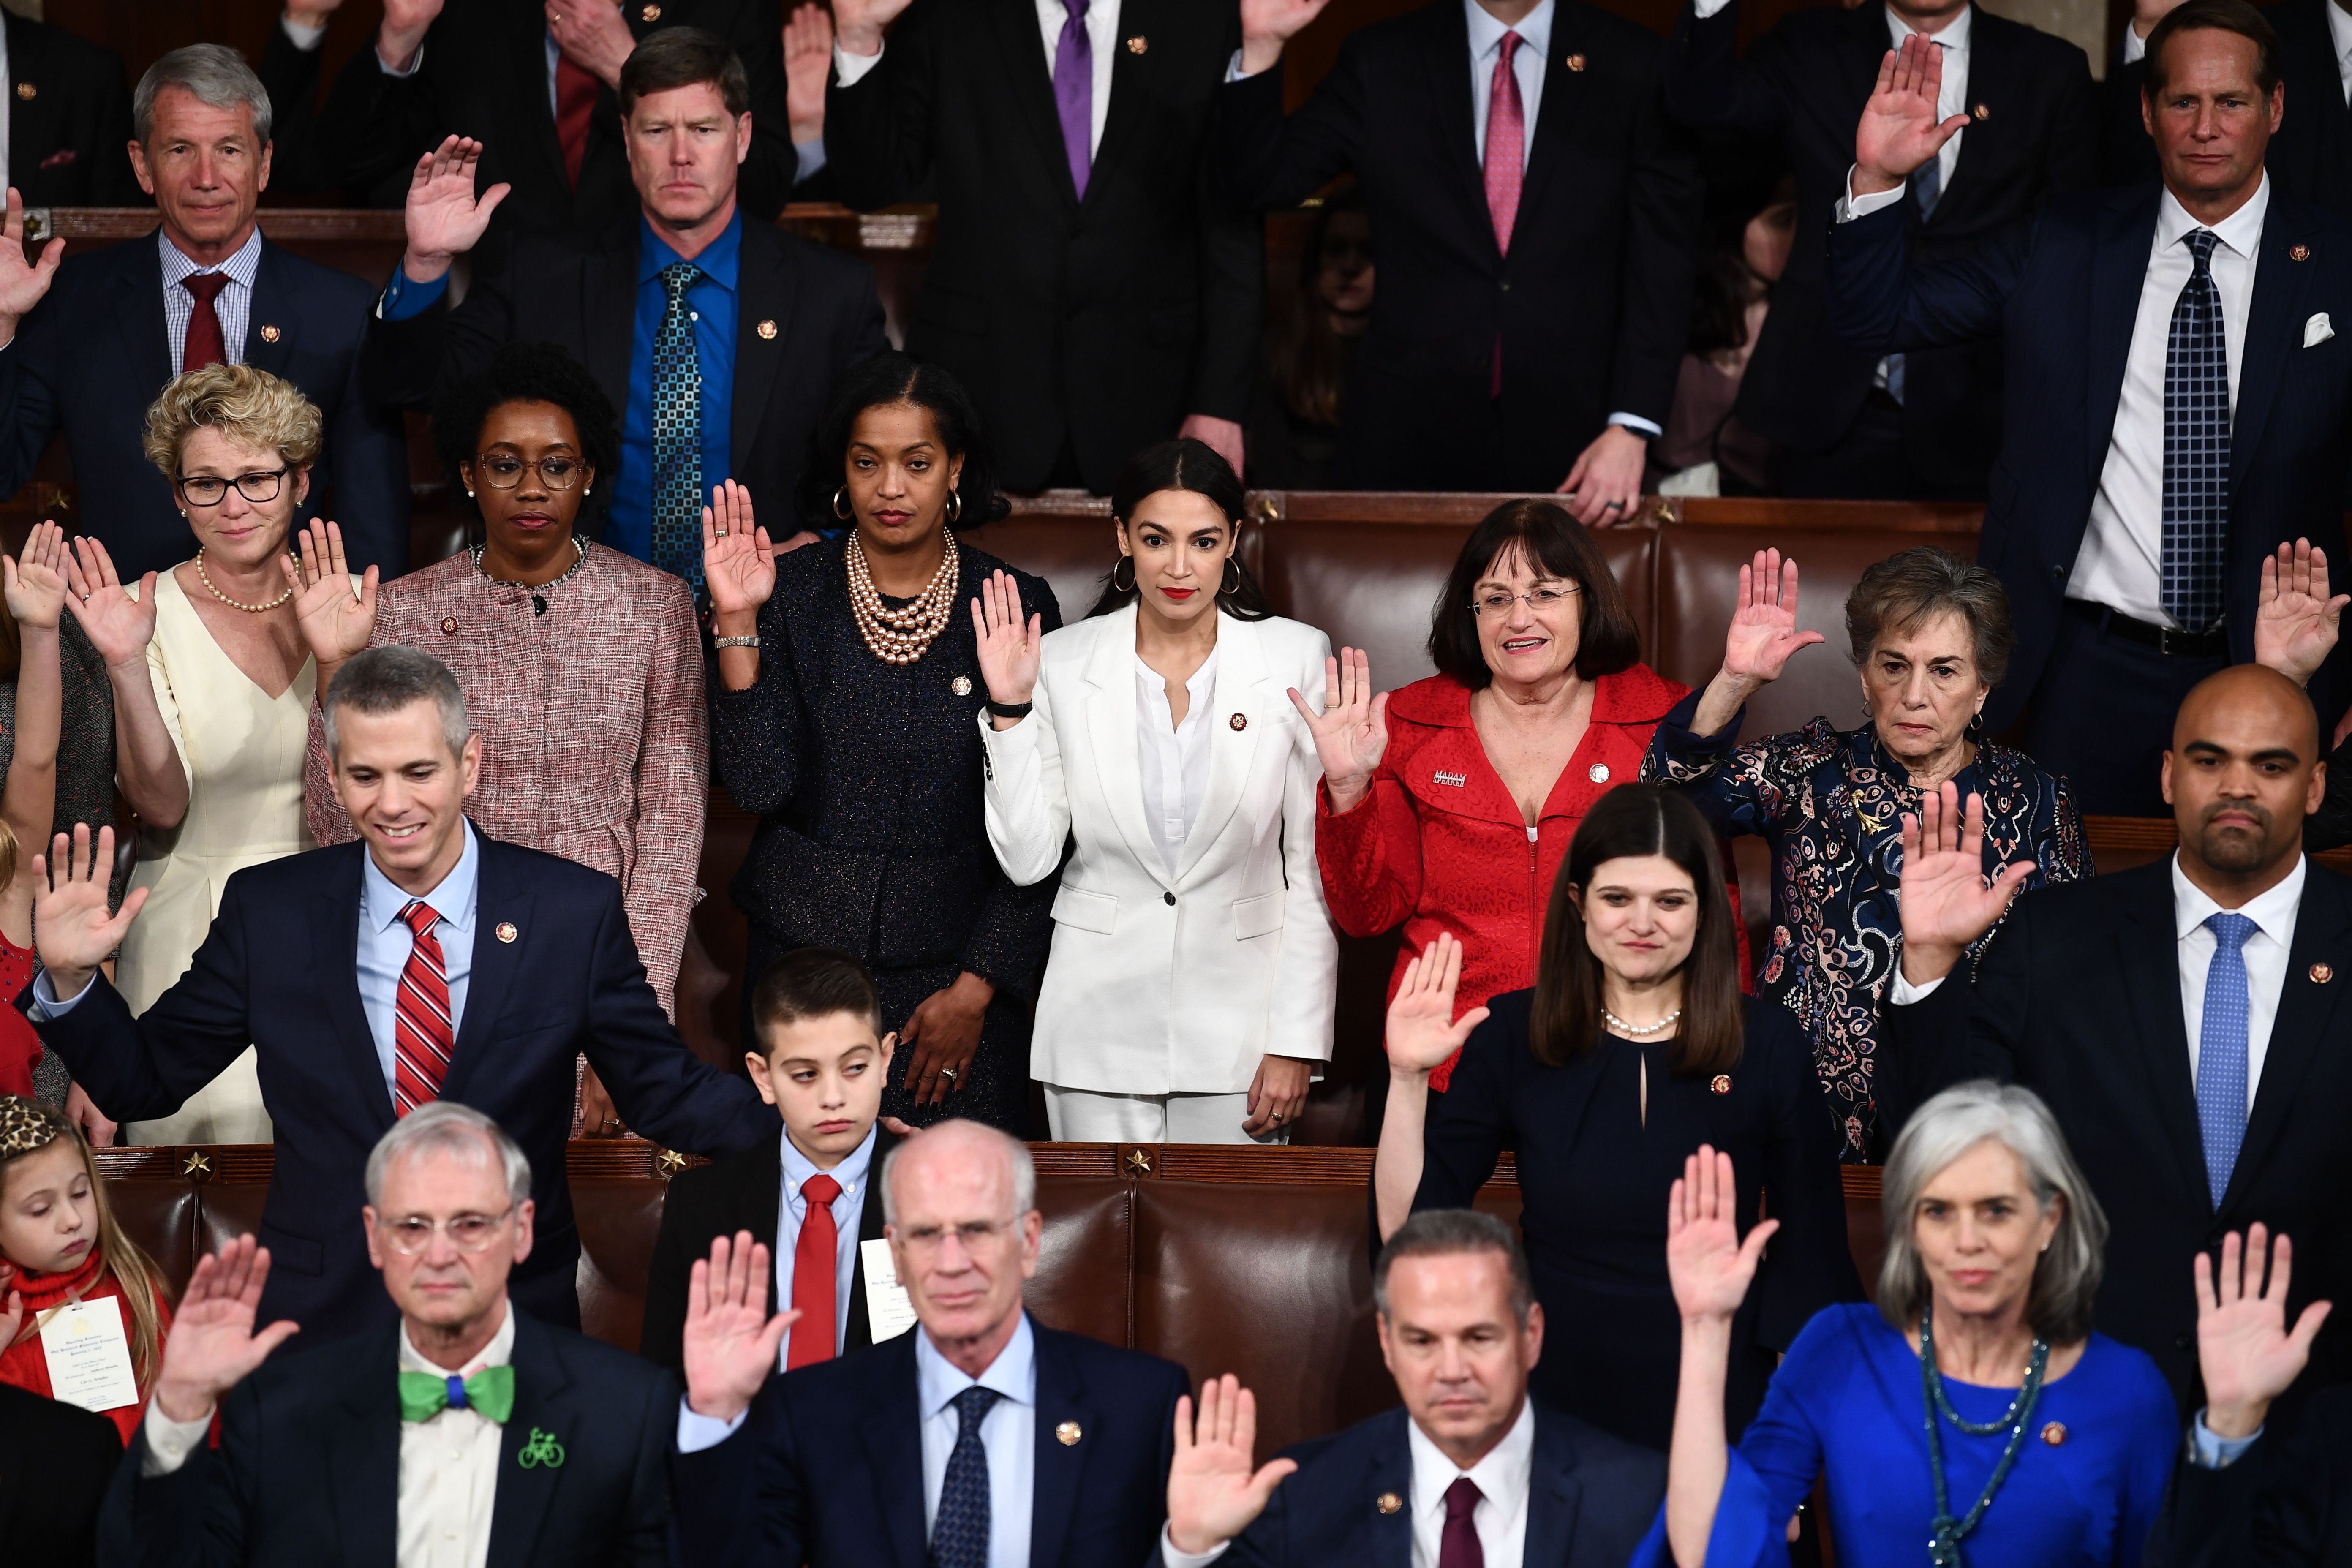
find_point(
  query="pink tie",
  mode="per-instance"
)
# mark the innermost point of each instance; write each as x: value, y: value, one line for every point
x: 1506, y: 143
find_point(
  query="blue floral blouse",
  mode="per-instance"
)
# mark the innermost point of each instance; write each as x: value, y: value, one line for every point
x: 1830, y: 806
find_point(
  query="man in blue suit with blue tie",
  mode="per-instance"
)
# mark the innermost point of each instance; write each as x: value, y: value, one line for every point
x: 2176, y: 393
x: 980, y: 1440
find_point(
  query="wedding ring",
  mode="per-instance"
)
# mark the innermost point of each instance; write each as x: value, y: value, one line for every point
x: 611, y: 1122
x: 1277, y: 1116
x: 947, y: 1073
x: 1613, y: 506
x: 722, y: 533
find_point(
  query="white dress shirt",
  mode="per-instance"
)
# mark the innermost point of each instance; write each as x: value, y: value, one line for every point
x: 1528, y: 65
x: 2339, y: 33
x: 233, y: 305
x: 848, y: 1210
x: 1174, y: 758
x: 1102, y: 43
x: 449, y: 1483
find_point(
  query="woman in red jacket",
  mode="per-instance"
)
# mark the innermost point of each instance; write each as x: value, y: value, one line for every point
x: 1448, y: 804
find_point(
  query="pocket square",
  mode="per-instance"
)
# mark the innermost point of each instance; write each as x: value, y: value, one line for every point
x: 60, y: 158
x: 2316, y: 330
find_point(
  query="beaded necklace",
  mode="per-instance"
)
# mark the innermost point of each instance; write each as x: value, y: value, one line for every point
x: 538, y: 591
x: 901, y: 636
x: 1943, y: 1548
x: 206, y: 578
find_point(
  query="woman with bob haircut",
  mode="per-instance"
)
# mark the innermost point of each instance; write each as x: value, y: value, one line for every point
x: 1635, y: 1048
x: 1448, y: 804
x: 1973, y: 1408
x: 1194, y: 970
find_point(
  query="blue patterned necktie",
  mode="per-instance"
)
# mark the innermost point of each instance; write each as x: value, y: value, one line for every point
x: 960, y: 1533
x: 2196, y: 445
x: 2221, y: 1051
x: 677, y: 432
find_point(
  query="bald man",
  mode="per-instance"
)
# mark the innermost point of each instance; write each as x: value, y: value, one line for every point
x: 2190, y: 1021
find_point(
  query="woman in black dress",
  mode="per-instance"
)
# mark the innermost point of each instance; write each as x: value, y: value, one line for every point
x: 1633, y: 1048
x: 846, y: 714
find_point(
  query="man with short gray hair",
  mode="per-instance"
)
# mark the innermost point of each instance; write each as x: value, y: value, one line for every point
x: 85, y: 346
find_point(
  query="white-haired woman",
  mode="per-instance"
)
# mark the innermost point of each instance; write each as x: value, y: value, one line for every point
x: 1972, y: 1410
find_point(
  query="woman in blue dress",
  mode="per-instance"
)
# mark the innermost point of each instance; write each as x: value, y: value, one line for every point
x: 1972, y: 1412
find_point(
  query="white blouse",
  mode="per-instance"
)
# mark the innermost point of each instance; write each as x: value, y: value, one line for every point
x: 1173, y: 758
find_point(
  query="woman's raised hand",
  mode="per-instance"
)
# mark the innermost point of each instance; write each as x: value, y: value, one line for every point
x: 1008, y: 645
x: 336, y: 621
x: 35, y: 578
x: 1422, y: 1031
x: 1707, y: 1263
x: 1351, y: 734
x: 119, y: 626
x: 739, y: 559
x: 1764, y: 635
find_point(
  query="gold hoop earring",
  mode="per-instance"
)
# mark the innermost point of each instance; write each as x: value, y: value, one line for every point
x: 840, y: 499
x: 1232, y: 581
x: 955, y: 506
x: 1128, y: 586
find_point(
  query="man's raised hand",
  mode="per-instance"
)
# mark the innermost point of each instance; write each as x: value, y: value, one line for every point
x: 442, y: 214
x: 858, y: 24
x: 71, y: 929
x: 2295, y: 618
x: 2246, y: 1355
x: 732, y: 1344
x: 1267, y: 24
x: 211, y: 1346
x: 21, y: 283
x: 1900, y: 130
x: 1213, y: 1493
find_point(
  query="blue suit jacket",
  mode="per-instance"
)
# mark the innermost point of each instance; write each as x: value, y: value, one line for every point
x: 2064, y: 293
x: 1590, y: 1501
x: 94, y: 352
x: 279, y: 969
x: 828, y: 1468
x: 308, y: 1470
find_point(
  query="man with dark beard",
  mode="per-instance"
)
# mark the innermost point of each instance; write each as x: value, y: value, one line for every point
x: 2187, y: 1020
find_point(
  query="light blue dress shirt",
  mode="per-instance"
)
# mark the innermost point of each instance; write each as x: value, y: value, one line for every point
x: 848, y: 1212
x: 2207, y: 1451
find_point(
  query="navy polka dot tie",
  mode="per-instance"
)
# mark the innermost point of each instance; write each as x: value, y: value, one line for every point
x: 2221, y: 1051
x: 960, y: 1533
x: 677, y: 432
x: 2196, y: 445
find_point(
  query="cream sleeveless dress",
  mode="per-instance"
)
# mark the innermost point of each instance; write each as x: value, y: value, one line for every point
x: 242, y: 751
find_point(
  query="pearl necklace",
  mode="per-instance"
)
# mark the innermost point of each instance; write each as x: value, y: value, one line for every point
x: 901, y: 636
x: 1640, y: 1031
x: 206, y: 578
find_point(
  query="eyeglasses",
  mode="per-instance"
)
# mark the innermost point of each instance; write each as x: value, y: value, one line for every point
x: 927, y: 1238
x: 502, y: 472
x: 210, y: 489
x: 1496, y: 601
x: 411, y: 1234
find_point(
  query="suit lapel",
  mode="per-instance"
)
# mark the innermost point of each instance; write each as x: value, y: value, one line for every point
x: 1030, y: 81
x: 1555, y: 1494
x: 269, y: 339
x: 2149, y: 960
x: 1060, y: 1467
x: 2305, y: 1018
x: 1453, y: 112
x: 1132, y: 100
x: 1562, y: 106
x: 499, y: 899
x: 334, y: 944
x: 1238, y: 693
x: 2126, y: 233
x: 1989, y: 64
x: 891, y: 1433
x: 1113, y: 722
x: 364, y: 1453
x: 766, y: 286
x: 2273, y: 327
x: 608, y: 295
x: 1390, y: 1473
x: 542, y: 1405
x: 139, y: 316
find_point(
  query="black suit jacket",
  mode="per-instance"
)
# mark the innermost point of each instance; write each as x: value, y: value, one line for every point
x: 69, y: 121
x: 278, y: 969
x: 1806, y: 82
x: 94, y: 355
x: 308, y: 1470
x: 2077, y: 997
x: 1591, y: 1500
x: 822, y: 302
x: 1592, y: 306
x: 1101, y: 322
x: 2287, y: 1503
x: 484, y: 75
x: 828, y: 1468
x: 54, y: 1464
x: 742, y: 1191
x: 298, y: 159
x: 2063, y: 293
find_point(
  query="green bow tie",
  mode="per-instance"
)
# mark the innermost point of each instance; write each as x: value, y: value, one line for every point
x: 490, y: 1392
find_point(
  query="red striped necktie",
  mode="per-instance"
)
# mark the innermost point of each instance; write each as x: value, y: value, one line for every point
x: 423, y: 1040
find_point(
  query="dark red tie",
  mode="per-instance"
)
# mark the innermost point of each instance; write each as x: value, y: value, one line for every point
x: 421, y: 1033
x: 816, y: 1255
x: 205, y: 343
x: 1507, y: 156
x: 1458, y: 1547
x: 575, y: 105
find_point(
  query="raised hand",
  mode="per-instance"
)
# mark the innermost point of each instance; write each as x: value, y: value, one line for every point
x: 211, y: 1346
x: 739, y: 560
x: 1213, y: 1493
x: 336, y: 621
x: 36, y: 580
x: 1946, y: 900
x: 859, y: 24
x: 2245, y: 1350
x: 1900, y: 130
x: 1422, y: 1031
x: 21, y: 283
x: 1267, y: 24
x: 406, y: 23
x: 732, y: 1343
x: 120, y: 624
x: 71, y: 929
x: 442, y: 214
x: 808, y: 59
x: 2295, y: 620
x: 1008, y: 645
x: 1351, y: 734
x: 1764, y: 635
x: 1709, y: 1266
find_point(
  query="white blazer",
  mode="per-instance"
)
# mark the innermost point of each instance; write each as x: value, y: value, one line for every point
x: 1160, y: 984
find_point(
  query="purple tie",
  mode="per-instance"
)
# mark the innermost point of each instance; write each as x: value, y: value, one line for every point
x: 1074, y: 93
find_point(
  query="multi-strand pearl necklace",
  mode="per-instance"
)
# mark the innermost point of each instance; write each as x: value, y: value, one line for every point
x: 903, y: 635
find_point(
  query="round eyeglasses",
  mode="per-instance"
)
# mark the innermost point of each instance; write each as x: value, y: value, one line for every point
x: 503, y: 471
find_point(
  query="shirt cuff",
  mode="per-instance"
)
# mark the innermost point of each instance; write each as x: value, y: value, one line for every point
x: 1234, y: 72
x: 170, y: 1442
x: 1636, y: 424
x: 403, y: 300
x: 1175, y: 1559
x: 1706, y: 8
x: 415, y: 63
x: 2208, y: 1452
x: 46, y: 1003
x: 2134, y: 47
x: 849, y: 70
x: 808, y: 159
x: 1851, y: 206
x: 1903, y: 993
x: 697, y: 1432
x: 301, y: 36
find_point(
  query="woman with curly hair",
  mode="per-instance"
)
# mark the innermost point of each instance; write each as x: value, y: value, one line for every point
x: 581, y: 667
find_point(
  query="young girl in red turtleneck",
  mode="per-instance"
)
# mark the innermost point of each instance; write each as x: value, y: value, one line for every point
x: 60, y: 1243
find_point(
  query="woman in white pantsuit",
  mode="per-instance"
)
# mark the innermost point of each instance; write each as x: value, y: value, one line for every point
x: 1189, y: 995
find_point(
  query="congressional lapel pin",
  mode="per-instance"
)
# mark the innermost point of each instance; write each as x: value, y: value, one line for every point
x: 2318, y: 331
x: 1720, y: 1083
x: 269, y: 334
x: 1388, y: 1502
x: 542, y: 1452
x: 1574, y: 62
x: 650, y: 14
x: 2299, y: 253
x: 27, y: 91
x: 1454, y: 780
x: 1138, y: 44
x: 2321, y: 974
x: 506, y: 931
x: 960, y: 686
x: 2054, y: 1434
x: 448, y: 625
x: 1239, y: 722
x: 1598, y: 772
x: 1069, y: 1432
x: 768, y: 331
x: 1984, y: 112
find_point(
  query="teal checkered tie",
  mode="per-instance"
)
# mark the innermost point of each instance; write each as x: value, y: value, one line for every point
x: 677, y: 432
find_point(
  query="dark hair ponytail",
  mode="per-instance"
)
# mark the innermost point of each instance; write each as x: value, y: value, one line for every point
x: 1184, y: 464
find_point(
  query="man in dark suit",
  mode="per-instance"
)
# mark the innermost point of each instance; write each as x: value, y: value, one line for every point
x: 1536, y: 220
x: 68, y: 118
x: 2176, y: 397
x: 2183, y: 1019
x: 55, y: 1460
x: 1090, y: 283
x: 468, y: 1431
x: 424, y: 963
x: 114, y: 326
x: 886, y: 1456
x: 1847, y: 422
x: 1460, y: 1329
x: 729, y: 329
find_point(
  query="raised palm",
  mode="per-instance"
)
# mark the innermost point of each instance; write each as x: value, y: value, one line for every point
x: 1008, y: 645
x: 1946, y: 900
x: 730, y: 1342
x: 35, y: 578
x: 859, y: 22
x: 21, y: 283
x: 336, y: 622
x: 213, y: 1346
x: 1422, y: 1032
x: 1351, y: 734
x: 2244, y: 1350
x: 1764, y: 635
x: 443, y: 215
x: 121, y: 623
x: 1900, y: 130
x: 808, y: 56
x: 72, y: 931
x: 739, y: 560
x: 1280, y: 20
x: 1709, y: 1267
x: 2296, y: 619
x: 1213, y: 1492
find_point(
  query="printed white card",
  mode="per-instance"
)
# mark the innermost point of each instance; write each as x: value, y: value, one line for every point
x: 90, y: 1355
x: 889, y: 1310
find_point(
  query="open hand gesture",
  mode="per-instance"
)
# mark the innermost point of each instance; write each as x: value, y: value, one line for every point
x: 859, y: 24
x: 1213, y: 1493
x: 443, y: 216
x: 1946, y: 900
x: 211, y: 1346
x: 336, y: 622
x: 119, y: 625
x: 732, y: 1343
x: 72, y: 931
x: 1708, y: 1264
x: 1351, y: 734
x: 1900, y: 130
x: 808, y: 61
x: 1267, y: 24
x: 1422, y: 1032
x: 1008, y: 646
x: 21, y: 283
x: 2243, y: 1349
x: 1764, y: 635
x: 739, y: 559
x: 36, y: 580
x: 2295, y: 619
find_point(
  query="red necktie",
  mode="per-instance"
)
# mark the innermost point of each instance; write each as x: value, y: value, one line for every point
x: 205, y: 343
x: 575, y: 105
x: 1458, y: 1546
x: 1507, y: 145
x: 420, y: 1034
x: 816, y: 1255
